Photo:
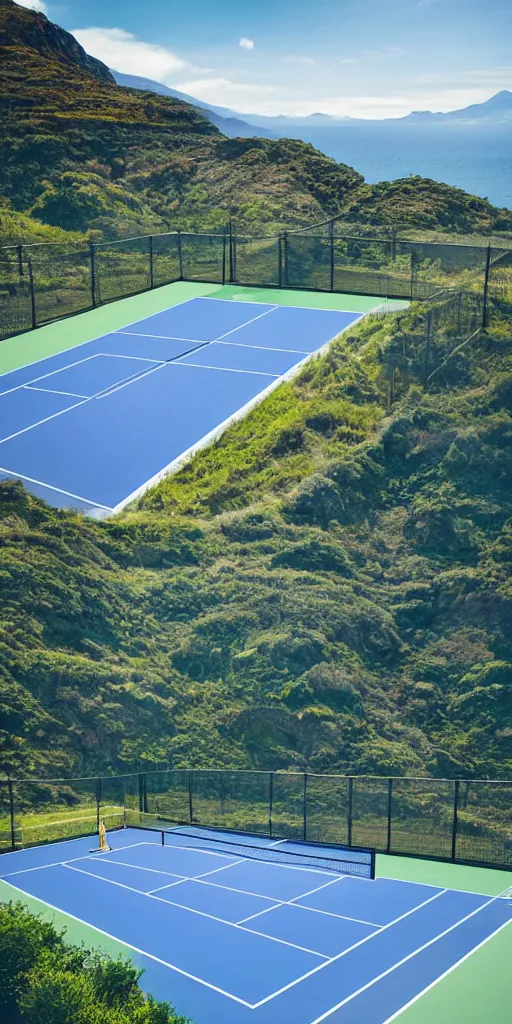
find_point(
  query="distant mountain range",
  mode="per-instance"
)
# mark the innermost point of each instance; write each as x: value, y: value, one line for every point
x: 227, y: 121
x: 495, y: 111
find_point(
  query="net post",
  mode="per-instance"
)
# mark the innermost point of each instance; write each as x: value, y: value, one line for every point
x: 151, y: 278
x: 180, y: 253
x: 11, y: 813
x: 98, y: 804
x: 486, y: 288
x: 331, y: 253
x: 455, y: 816
x: 304, y: 806
x: 390, y: 798
x: 270, y: 801
x: 92, y: 258
x: 349, y: 810
x: 163, y: 838
x: 32, y: 294
x: 190, y: 805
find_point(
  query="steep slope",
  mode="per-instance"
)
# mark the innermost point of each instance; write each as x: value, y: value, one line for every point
x: 327, y: 588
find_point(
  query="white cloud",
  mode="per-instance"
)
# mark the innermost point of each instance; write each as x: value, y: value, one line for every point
x: 34, y: 5
x: 123, y: 52
x: 298, y: 59
x: 224, y: 92
x: 246, y: 44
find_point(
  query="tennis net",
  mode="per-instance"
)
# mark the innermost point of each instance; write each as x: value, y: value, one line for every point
x: 356, y: 861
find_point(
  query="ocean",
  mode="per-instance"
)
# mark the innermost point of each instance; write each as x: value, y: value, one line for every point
x: 473, y: 157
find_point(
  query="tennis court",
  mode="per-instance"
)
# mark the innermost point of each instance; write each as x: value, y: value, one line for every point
x: 247, y: 930
x: 92, y: 425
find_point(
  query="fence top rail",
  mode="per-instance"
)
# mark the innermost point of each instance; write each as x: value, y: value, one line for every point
x: 257, y: 771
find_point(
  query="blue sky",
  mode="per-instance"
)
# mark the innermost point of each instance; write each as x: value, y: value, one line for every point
x: 363, y: 58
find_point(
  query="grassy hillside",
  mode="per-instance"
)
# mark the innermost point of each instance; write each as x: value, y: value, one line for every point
x: 328, y: 587
x: 82, y: 154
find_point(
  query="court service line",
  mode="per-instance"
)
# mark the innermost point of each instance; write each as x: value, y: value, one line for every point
x: 137, y: 949
x: 51, y: 373
x: 59, y: 863
x: 225, y: 369
x: 52, y: 391
x: 59, y: 490
x: 282, y: 903
x: 404, y: 960
x: 98, y: 337
x: 339, y: 956
x: 200, y: 913
x: 263, y: 348
x: 246, y: 324
x: 445, y: 973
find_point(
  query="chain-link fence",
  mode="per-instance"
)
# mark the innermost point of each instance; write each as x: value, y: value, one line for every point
x: 45, y: 282
x: 461, y: 821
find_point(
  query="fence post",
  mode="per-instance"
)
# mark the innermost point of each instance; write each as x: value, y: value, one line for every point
x: 390, y: 798
x: 349, y: 811
x: 32, y: 294
x: 231, y: 277
x: 224, y: 258
x: 151, y: 281
x: 98, y: 804
x: 180, y: 254
x: 486, y: 287
x: 331, y: 251
x: 190, y: 807
x: 393, y: 245
x: 285, y: 258
x: 280, y: 261
x: 428, y: 340
x: 412, y: 274
x: 92, y: 256
x: 304, y: 807
x: 141, y: 793
x: 11, y: 814
x: 19, y: 251
x: 455, y: 814
x: 270, y: 801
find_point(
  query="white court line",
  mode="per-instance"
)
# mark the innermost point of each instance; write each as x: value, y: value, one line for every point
x: 130, y: 380
x: 228, y: 369
x: 288, y: 305
x: 192, y: 910
x: 343, y: 917
x: 58, y: 490
x: 426, y: 885
x: 52, y: 391
x: 51, y: 373
x: 247, y: 322
x: 445, y: 973
x: 139, y: 359
x: 355, y: 945
x: 163, y: 337
x: 137, y: 949
x: 263, y: 348
x: 284, y: 903
x: 404, y: 960
x: 69, y: 860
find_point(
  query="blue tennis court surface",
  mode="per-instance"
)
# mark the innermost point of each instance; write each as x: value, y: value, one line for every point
x: 91, y: 427
x: 246, y: 932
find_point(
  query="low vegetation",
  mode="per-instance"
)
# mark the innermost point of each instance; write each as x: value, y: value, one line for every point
x: 44, y: 978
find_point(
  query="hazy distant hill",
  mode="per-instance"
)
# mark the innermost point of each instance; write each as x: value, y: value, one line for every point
x: 226, y: 121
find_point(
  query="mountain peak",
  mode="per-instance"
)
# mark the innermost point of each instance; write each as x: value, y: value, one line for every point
x: 21, y: 26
